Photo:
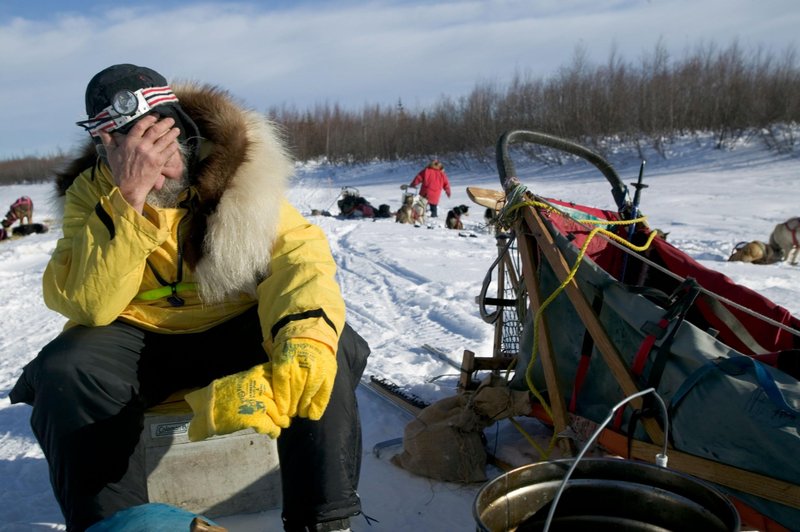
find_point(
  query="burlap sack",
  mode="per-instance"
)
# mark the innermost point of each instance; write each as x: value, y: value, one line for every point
x: 444, y: 443
x: 495, y: 400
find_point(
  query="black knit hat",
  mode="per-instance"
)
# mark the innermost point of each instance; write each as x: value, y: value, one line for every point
x: 106, y: 84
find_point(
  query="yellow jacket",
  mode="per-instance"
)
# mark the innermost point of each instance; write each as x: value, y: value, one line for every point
x: 244, y: 244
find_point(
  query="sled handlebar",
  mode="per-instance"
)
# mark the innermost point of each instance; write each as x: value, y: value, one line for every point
x: 505, y: 165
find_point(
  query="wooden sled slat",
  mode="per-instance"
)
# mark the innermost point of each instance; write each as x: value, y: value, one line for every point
x: 532, y: 224
x: 549, y: 366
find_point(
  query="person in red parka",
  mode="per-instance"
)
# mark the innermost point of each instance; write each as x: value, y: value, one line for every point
x: 433, y: 180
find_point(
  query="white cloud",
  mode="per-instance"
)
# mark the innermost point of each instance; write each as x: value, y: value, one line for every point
x: 344, y: 52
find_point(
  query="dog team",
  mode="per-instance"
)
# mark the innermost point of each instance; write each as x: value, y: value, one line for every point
x: 783, y: 244
x: 414, y: 211
x: 415, y: 205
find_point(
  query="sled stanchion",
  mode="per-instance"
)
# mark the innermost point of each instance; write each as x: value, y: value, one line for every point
x: 557, y: 404
x: 501, y: 287
x: 604, y: 345
x: 634, y: 214
x: 512, y: 274
x: 467, y: 368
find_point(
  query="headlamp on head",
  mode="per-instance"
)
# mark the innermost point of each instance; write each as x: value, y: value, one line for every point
x: 125, y: 102
x: 126, y: 107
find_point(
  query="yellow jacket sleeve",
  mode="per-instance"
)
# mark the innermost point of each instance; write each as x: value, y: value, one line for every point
x: 300, y: 297
x: 97, y: 266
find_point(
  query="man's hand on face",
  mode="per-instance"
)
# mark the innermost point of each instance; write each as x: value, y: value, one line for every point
x: 141, y: 160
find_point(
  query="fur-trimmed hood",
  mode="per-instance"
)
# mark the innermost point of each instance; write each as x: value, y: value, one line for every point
x: 240, y: 182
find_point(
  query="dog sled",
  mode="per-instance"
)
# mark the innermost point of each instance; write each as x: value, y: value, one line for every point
x: 353, y: 205
x: 593, y: 307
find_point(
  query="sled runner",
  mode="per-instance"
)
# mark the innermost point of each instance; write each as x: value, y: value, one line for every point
x: 607, y: 308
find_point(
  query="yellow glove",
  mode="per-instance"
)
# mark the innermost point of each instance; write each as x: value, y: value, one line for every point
x: 239, y: 401
x: 303, y: 371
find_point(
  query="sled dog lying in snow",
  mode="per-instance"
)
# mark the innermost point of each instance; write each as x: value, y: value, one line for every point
x: 784, y: 244
x: 453, y: 220
x: 29, y: 229
x: 756, y: 252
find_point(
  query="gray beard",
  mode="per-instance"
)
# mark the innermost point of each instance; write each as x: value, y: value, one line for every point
x: 167, y: 197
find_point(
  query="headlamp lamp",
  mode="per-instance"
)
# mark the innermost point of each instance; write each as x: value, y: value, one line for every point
x: 127, y: 106
x: 125, y: 102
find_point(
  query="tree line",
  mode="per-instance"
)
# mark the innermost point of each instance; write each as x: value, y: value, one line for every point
x: 729, y: 91
x: 29, y: 169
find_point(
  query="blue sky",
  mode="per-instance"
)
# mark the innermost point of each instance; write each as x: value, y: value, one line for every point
x: 303, y: 53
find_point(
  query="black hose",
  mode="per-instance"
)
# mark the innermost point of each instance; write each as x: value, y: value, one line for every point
x: 505, y: 166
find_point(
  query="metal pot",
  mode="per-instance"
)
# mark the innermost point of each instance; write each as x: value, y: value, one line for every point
x: 602, y: 494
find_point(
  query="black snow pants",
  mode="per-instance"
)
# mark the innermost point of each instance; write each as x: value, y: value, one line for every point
x: 90, y: 387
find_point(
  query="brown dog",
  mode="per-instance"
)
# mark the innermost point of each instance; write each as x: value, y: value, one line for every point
x: 784, y: 244
x: 786, y: 240
x: 412, y: 211
x: 405, y: 214
x: 755, y: 252
x: 21, y: 210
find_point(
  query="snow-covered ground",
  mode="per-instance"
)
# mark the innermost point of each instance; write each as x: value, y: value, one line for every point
x: 407, y: 286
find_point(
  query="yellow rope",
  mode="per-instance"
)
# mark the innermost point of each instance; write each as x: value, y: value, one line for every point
x: 557, y: 291
x: 542, y: 452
